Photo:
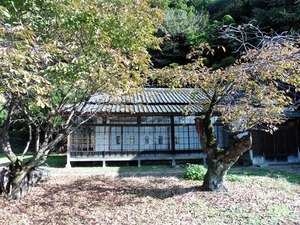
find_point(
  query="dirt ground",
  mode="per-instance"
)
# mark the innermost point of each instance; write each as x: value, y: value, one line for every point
x: 155, y: 196
x: 86, y: 197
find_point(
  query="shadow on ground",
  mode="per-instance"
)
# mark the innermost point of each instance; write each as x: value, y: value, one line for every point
x: 100, y: 188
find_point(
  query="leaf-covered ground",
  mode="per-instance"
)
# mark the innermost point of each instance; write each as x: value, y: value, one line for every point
x: 87, y: 197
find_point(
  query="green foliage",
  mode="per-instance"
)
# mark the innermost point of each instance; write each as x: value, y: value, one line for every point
x: 178, y: 22
x: 193, y: 22
x: 185, y: 24
x: 227, y: 19
x: 3, y: 116
x: 228, y: 61
x: 196, y: 38
x: 239, y: 10
x: 197, y: 172
x: 57, y: 54
x: 233, y: 178
x: 174, y: 65
x: 4, y: 12
x: 194, y: 172
x: 278, y: 15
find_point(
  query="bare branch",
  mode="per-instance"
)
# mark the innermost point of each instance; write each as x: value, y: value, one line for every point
x: 249, y: 37
x: 28, y: 142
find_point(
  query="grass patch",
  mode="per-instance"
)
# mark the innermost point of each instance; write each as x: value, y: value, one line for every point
x: 53, y: 160
x: 262, y: 172
x: 234, y: 178
x: 197, y: 172
x: 277, y: 211
x: 56, y: 160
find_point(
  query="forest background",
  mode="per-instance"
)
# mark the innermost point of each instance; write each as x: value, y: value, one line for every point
x: 188, y: 23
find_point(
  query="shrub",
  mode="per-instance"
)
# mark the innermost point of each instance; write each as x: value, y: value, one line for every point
x: 194, y: 172
x: 233, y: 178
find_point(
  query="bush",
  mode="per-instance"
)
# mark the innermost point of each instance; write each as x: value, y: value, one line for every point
x: 194, y: 172
x: 233, y: 178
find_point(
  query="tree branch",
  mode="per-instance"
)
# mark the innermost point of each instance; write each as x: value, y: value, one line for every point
x: 4, y: 140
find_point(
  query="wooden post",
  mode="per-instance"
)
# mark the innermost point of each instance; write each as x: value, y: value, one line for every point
x: 68, y: 165
x: 173, y: 162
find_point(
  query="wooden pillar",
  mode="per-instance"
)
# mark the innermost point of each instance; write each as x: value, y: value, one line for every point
x: 172, y: 135
x: 68, y: 165
x: 173, y: 162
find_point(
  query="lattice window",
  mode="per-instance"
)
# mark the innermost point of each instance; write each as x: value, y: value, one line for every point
x: 121, y: 120
x: 184, y: 120
x: 118, y: 140
x: 222, y: 135
x: 155, y: 120
x: 155, y: 138
x: 147, y: 140
x: 186, y: 138
x: 83, y: 139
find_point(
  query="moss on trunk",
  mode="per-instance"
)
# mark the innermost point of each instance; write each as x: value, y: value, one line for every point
x: 16, y: 180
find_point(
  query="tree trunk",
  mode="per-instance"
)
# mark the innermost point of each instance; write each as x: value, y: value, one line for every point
x: 214, y: 179
x: 219, y: 164
x: 219, y: 160
x: 16, y: 180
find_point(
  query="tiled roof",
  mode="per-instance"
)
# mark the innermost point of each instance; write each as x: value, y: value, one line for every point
x: 149, y: 101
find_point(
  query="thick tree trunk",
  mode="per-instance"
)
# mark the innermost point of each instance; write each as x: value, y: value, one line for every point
x: 214, y: 179
x: 218, y: 160
x: 218, y: 166
x: 16, y: 180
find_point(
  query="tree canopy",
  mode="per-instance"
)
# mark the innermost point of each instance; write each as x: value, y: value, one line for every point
x: 251, y: 94
x: 57, y: 54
